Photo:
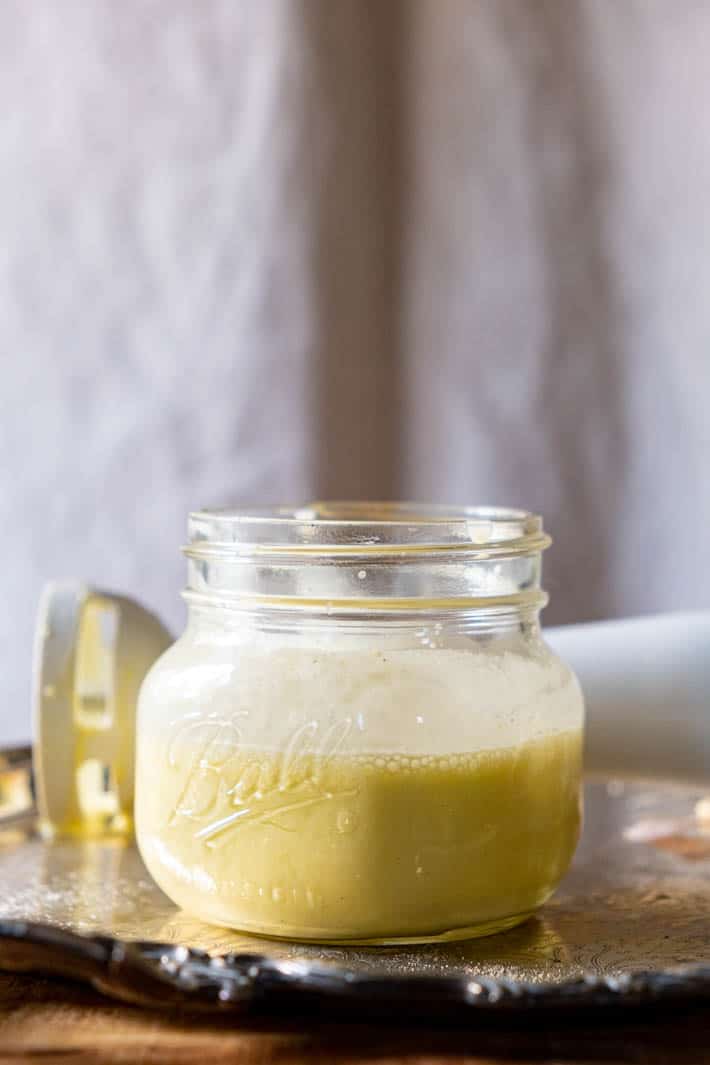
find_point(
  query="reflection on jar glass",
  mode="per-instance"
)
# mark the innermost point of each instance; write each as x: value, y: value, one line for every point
x: 361, y: 736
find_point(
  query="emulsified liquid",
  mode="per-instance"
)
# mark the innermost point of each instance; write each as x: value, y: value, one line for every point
x: 310, y: 843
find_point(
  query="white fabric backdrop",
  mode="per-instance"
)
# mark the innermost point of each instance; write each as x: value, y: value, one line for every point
x: 446, y: 249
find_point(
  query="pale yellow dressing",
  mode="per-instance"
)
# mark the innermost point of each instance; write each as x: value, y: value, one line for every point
x: 361, y: 847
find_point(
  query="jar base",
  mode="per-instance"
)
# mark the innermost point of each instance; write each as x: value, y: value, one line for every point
x: 451, y: 935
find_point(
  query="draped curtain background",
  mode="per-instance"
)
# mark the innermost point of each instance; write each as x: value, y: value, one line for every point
x: 440, y: 249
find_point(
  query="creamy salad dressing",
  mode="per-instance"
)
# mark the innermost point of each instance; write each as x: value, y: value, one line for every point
x: 361, y: 794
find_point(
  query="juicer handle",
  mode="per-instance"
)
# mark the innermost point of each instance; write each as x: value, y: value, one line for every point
x: 646, y: 683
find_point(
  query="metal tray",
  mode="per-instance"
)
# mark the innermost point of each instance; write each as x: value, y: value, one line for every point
x: 630, y: 925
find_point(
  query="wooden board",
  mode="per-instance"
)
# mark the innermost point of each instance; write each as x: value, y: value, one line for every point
x: 55, y: 1021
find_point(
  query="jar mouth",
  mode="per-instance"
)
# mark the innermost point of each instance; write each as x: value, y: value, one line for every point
x: 379, y: 529
x: 384, y: 558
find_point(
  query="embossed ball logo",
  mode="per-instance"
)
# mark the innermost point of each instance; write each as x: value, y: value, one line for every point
x: 228, y: 785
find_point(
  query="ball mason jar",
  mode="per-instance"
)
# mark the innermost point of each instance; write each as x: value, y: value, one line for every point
x: 362, y: 735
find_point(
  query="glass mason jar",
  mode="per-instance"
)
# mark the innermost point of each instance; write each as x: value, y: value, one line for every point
x: 361, y: 736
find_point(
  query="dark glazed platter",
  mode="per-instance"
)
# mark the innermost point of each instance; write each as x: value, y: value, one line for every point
x: 630, y: 925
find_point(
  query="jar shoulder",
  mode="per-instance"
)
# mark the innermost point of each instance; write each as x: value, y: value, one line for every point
x: 432, y: 698
x: 567, y: 676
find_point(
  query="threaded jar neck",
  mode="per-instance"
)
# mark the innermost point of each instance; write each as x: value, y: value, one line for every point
x: 350, y: 559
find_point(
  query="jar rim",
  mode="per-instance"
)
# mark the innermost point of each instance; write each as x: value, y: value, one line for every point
x: 361, y: 527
